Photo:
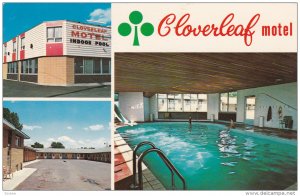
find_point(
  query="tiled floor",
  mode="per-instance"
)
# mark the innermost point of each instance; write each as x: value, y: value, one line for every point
x: 123, y: 168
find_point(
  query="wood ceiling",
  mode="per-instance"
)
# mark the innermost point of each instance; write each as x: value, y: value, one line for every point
x: 201, y: 72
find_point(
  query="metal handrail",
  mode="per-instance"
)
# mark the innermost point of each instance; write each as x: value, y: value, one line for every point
x: 279, y: 101
x: 134, y: 159
x: 166, y: 161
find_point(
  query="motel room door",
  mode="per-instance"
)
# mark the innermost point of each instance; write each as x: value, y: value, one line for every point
x: 250, y: 110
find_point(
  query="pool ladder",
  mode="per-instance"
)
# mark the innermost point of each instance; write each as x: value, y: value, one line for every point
x: 139, y: 185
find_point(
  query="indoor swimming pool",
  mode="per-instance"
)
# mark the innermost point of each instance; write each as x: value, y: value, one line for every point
x: 211, y: 157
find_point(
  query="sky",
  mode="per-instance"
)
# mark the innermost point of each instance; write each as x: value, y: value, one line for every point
x: 73, y: 123
x: 20, y: 17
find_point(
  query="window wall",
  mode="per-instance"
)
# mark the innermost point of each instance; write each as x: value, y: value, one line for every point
x: 12, y: 68
x: 54, y: 34
x: 92, y: 66
x: 182, y: 102
x: 228, y: 102
x: 29, y: 66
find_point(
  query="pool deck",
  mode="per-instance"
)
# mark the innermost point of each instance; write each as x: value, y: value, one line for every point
x: 123, y: 168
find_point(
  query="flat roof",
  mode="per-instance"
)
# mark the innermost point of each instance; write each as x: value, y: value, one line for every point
x: 72, y: 150
x: 18, y: 132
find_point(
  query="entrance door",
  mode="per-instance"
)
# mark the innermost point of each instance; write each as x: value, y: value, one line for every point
x: 250, y: 110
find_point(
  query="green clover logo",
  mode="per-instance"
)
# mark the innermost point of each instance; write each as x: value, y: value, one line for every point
x: 136, y: 18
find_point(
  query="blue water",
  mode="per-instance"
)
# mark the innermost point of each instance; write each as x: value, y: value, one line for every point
x: 212, y: 158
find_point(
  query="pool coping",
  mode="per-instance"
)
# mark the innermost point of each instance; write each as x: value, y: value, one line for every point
x: 150, y: 182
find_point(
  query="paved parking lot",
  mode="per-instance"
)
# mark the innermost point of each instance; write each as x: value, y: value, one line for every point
x: 70, y: 175
x: 23, y: 89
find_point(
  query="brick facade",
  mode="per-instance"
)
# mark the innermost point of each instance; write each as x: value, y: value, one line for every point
x: 5, y: 161
x: 29, y: 154
x: 16, y: 159
x: 101, y: 156
x: 56, y: 71
x: 13, y: 147
x: 4, y: 71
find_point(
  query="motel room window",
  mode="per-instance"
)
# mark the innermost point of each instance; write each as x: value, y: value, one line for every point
x: 23, y: 43
x: 14, y: 47
x: 18, y: 141
x: 54, y: 34
x: 228, y: 102
x: 12, y: 68
x: 5, y: 50
x: 29, y: 66
x: 92, y: 66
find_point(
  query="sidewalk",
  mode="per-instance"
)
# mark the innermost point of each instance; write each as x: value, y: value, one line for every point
x: 18, y: 178
x: 30, y: 162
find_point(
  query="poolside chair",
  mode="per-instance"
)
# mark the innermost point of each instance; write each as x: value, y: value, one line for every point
x: 7, y: 173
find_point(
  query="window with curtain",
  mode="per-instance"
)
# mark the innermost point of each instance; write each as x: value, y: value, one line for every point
x: 14, y: 46
x: 23, y: 43
x: 54, y: 34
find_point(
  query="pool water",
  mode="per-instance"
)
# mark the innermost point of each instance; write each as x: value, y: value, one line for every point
x: 212, y: 158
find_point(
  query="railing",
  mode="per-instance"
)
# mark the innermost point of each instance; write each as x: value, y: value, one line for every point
x: 279, y: 101
x: 168, y: 163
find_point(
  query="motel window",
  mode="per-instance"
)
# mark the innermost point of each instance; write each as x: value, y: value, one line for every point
x: 14, y: 47
x: 54, y: 34
x: 5, y: 50
x: 182, y: 102
x: 18, y: 141
x: 97, y: 66
x: 92, y: 66
x: 12, y: 68
x: 78, y: 65
x: 29, y: 66
x: 105, y: 66
x: 228, y: 102
x: 88, y: 66
x: 23, y: 43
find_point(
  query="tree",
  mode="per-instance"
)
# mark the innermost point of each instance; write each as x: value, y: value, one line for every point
x: 37, y: 145
x: 13, y: 118
x: 57, y: 145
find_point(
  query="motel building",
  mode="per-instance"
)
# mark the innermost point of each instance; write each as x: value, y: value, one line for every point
x: 14, y: 153
x: 59, y: 53
x: 101, y: 155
